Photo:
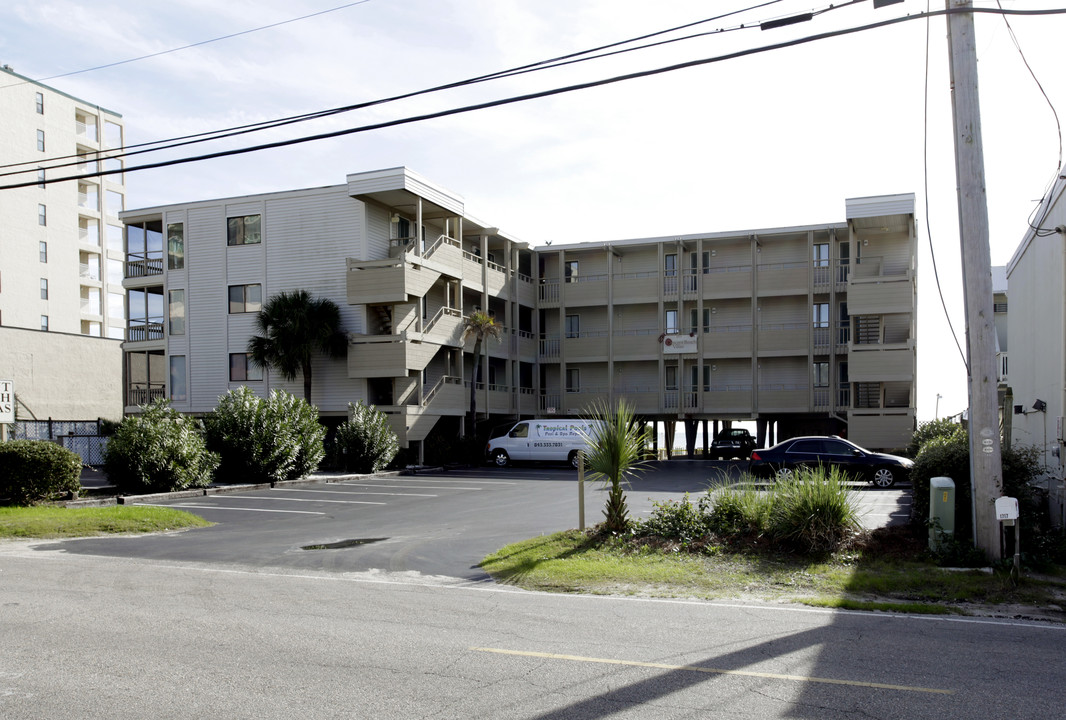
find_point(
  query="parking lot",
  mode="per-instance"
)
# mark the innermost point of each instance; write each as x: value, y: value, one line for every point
x: 437, y: 523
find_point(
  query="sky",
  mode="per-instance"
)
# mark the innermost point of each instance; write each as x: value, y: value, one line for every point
x: 778, y: 138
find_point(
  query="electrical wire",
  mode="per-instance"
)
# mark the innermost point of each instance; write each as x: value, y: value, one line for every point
x: 185, y: 47
x: 1045, y: 201
x: 543, y: 93
x: 925, y: 177
x: 280, y: 122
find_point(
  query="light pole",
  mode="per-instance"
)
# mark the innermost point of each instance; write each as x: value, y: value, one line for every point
x: 936, y: 414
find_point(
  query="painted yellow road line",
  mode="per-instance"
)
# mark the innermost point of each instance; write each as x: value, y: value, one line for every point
x: 713, y: 671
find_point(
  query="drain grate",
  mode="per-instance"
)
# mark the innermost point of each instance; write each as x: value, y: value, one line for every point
x: 342, y: 544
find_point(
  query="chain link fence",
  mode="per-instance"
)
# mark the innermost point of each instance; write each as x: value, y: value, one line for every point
x: 81, y: 436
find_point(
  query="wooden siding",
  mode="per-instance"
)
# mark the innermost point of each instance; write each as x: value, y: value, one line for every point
x: 206, y: 305
x: 880, y: 297
x: 585, y: 290
x: 895, y: 365
x: 726, y: 342
x: 636, y: 288
x: 877, y: 431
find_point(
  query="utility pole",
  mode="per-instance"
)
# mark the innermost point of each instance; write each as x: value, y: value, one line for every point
x: 986, y: 470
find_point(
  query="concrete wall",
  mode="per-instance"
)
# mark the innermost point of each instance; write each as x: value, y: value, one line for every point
x: 62, y: 376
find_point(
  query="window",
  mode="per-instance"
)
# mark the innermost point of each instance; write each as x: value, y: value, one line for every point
x: 245, y: 298
x: 820, y: 315
x: 112, y: 134
x: 116, y: 202
x: 424, y: 302
x: 694, y: 377
x: 820, y: 254
x: 40, y: 103
x: 242, y: 368
x: 821, y: 374
x: 40, y: 140
x: 573, y: 380
x: 706, y: 262
x: 573, y: 326
x: 177, y: 312
x: 670, y: 265
x: 244, y: 230
x: 42, y: 248
x: 44, y: 288
x: 175, y: 246
x: 40, y: 178
x: 178, y: 379
x: 706, y: 378
x: 521, y: 430
x: 706, y: 320
x: 671, y: 321
x: 42, y: 215
x: 570, y: 270
x: 671, y: 377
x: 44, y: 323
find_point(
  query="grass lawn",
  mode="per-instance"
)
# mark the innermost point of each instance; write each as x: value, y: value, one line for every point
x: 877, y: 576
x: 60, y: 522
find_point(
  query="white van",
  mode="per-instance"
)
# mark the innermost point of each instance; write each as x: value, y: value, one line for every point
x: 546, y: 440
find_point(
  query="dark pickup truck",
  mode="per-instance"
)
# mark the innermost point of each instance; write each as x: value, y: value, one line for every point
x: 732, y: 443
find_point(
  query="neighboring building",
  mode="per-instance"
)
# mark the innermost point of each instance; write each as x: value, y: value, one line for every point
x: 1036, y: 279
x: 807, y: 329
x: 61, y: 254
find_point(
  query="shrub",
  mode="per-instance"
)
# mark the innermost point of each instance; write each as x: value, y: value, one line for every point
x: 264, y: 439
x: 949, y: 456
x: 929, y: 430
x: 365, y: 443
x: 34, y: 471
x: 814, y: 510
x: 159, y: 450
x: 741, y: 511
x: 678, y: 520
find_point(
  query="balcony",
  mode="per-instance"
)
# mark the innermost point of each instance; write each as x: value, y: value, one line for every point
x: 585, y: 290
x: 775, y: 397
x: 144, y: 330
x: 145, y: 393
x: 89, y: 271
x: 784, y: 339
x: 374, y: 356
x: 877, y: 287
x: 86, y: 130
x: 388, y: 281
x: 788, y: 278
x: 727, y: 340
x: 727, y: 282
x: 637, y: 287
x: 144, y: 264
x: 727, y: 399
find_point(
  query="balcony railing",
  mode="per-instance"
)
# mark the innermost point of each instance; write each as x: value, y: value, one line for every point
x: 89, y: 271
x: 141, y: 330
x: 145, y: 393
x: 144, y: 264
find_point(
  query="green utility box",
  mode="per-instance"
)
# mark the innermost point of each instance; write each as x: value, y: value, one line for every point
x: 941, y: 511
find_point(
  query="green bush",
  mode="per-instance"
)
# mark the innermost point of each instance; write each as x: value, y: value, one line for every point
x: 814, y: 510
x: 34, y: 471
x: 949, y: 456
x: 678, y: 520
x: 263, y: 440
x: 365, y: 443
x: 158, y: 450
x: 929, y: 430
x: 741, y: 511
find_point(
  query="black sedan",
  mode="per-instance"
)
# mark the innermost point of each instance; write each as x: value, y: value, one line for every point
x: 809, y: 452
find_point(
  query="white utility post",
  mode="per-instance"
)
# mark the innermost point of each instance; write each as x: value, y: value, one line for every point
x: 986, y: 471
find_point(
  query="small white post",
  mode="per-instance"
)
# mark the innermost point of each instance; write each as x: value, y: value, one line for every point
x: 580, y: 490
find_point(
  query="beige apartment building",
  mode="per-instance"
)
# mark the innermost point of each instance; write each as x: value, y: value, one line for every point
x: 805, y: 329
x: 62, y: 307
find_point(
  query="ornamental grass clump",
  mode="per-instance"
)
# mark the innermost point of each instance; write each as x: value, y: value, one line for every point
x: 740, y: 511
x: 158, y: 450
x: 365, y: 443
x: 263, y: 440
x: 615, y: 451
x: 814, y: 511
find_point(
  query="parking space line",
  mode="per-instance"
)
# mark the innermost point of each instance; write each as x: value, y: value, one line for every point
x: 223, y: 507
x: 340, y: 502
x: 342, y: 492
x: 426, y: 478
x: 715, y: 671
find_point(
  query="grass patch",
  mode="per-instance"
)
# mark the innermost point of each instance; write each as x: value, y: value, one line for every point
x: 61, y: 522
x: 873, y: 574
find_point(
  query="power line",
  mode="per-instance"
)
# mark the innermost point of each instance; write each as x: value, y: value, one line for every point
x: 541, y: 94
x: 186, y: 47
x: 559, y: 61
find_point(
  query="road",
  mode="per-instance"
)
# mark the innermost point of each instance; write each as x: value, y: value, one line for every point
x: 106, y: 637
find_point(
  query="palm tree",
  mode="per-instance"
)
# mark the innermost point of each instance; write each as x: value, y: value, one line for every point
x: 478, y: 326
x: 294, y: 326
x: 615, y: 451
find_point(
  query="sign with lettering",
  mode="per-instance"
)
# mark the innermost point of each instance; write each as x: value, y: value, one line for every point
x: 7, y: 401
x: 678, y: 344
